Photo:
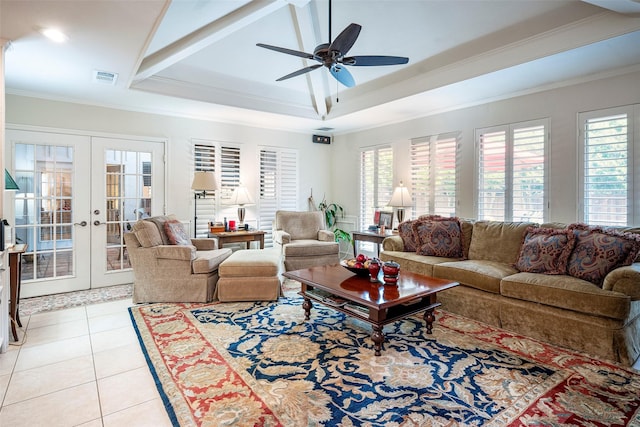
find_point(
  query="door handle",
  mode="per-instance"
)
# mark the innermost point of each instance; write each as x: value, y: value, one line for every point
x: 96, y: 222
x: 81, y: 224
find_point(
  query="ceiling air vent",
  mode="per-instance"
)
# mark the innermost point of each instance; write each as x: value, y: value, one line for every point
x: 105, y: 77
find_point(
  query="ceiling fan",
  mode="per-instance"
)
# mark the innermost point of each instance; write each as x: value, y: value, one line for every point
x: 332, y: 55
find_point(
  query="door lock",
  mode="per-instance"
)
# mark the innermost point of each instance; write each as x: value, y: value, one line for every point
x: 96, y: 212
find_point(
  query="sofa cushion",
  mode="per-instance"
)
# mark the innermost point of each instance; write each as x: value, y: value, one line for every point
x: 411, y: 261
x: 207, y: 261
x: 439, y: 237
x: 566, y: 292
x: 147, y: 234
x: 497, y: 241
x: 545, y: 250
x: 598, y: 251
x: 479, y: 274
x: 409, y: 238
x: 176, y: 233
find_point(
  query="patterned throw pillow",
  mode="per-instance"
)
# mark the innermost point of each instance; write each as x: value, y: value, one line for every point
x: 545, y: 250
x: 176, y: 233
x: 439, y: 237
x: 599, y: 251
x: 409, y: 238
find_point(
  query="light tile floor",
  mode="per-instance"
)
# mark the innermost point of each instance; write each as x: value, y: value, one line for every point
x: 79, y: 367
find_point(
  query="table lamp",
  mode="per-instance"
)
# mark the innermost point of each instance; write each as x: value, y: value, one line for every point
x: 400, y: 199
x: 241, y: 198
x: 202, y: 182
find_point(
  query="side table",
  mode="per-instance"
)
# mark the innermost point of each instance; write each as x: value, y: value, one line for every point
x: 239, y: 237
x: 15, y: 278
x: 368, y: 236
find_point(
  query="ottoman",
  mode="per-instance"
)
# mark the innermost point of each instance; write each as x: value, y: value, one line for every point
x: 249, y: 275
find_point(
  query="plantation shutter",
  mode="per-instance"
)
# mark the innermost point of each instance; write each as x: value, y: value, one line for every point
x: 278, y: 187
x: 529, y: 174
x: 229, y: 171
x: 204, y: 161
x: 492, y: 175
x: 434, y: 174
x: 376, y: 182
x: 606, y: 163
x: 512, y: 172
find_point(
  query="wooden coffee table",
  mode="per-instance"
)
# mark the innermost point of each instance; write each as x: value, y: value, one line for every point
x: 375, y: 303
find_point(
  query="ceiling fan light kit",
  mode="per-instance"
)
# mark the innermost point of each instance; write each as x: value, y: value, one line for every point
x: 332, y: 56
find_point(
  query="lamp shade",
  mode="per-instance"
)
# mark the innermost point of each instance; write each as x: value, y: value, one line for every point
x: 241, y: 196
x: 9, y: 182
x: 401, y: 197
x: 204, y: 181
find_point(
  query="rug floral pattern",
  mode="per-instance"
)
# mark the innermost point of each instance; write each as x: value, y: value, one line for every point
x: 261, y: 364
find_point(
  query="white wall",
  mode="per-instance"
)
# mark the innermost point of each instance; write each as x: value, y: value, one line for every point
x: 314, y: 159
x: 561, y: 106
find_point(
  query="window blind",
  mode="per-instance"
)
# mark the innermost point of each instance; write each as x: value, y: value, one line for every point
x: 606, y: 170
x: 512, y: 172
x: 278, y: 187
x: 376, y: 182
x: 434, y: 174
x: 204, y: 161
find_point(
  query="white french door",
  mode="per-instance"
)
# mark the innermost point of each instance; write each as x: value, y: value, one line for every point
x: 78, y: 196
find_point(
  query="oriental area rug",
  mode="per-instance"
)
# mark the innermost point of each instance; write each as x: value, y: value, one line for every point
x: 262, y: 364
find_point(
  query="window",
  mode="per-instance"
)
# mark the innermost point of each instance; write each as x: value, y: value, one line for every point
x: 606, y: 158
x: 433, y: 174
x: 512, y: 177
x: 376, y: 182
x: 210, y: 156
x: 278, y: 187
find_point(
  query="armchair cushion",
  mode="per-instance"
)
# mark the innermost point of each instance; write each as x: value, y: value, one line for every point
x: 147, y: 234
x: 208, y: 261
x: 176, y: 233
x: 305, y: 248
x: 326, y: 236
x: 281, y: 237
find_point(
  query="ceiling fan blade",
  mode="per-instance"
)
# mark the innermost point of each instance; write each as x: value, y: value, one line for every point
x: 346, y: 39
x: 299, y: 72
x: 342, y: 75
x: 373, y: 60
x: 287, y: 51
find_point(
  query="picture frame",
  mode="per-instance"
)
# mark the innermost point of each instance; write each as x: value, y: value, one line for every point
x: 376, y: 217
x: 386, y: 220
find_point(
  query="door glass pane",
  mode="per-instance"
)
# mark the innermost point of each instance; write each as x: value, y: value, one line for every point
x: 43, y: 208
x: 128, y: 198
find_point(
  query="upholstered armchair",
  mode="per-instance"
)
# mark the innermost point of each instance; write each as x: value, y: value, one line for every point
x: 303, y: 240
x: 168, y: 266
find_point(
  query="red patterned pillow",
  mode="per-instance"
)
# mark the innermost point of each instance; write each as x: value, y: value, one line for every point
x: 545, y: 250
x: 439, y: 237
x: 409, y: 238
x: 176, y: 233
x: 599, y: 251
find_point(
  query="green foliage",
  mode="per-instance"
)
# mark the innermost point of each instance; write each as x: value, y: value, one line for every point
x: 333, y: 211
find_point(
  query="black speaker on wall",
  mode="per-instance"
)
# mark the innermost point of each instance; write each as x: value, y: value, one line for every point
x: 321, y: 139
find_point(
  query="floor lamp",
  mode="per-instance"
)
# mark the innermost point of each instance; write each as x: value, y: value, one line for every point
x: 400, y: 199
x: 202, y: 182
x: 241, y: 198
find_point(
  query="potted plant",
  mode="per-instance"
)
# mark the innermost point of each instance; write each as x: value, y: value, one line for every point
x: 333, y: 211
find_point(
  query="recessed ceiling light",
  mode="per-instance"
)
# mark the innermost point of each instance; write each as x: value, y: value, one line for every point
x: 55, y: 35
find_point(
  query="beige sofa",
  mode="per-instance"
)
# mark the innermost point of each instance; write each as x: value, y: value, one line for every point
x: 165, y: 272
x: 559, y: 309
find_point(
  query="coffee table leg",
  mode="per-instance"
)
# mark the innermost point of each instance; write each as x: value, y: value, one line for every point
x: 307, y: 308
x: 378, y: 338
x: 429, y: 318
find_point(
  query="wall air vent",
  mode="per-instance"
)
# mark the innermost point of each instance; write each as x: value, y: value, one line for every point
x: 105, y: 77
